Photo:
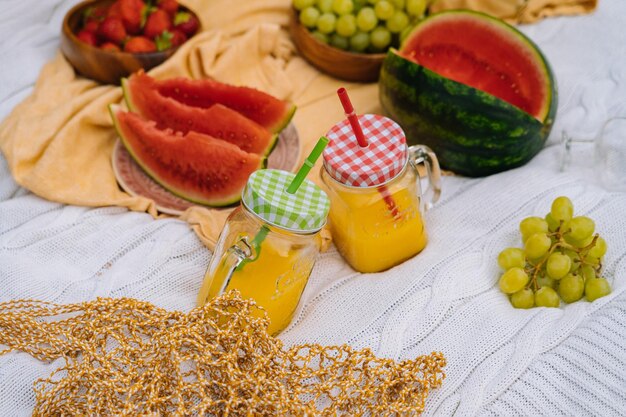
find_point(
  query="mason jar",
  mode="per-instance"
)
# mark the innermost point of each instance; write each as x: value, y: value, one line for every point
x: 269, y: 245
x: 377, y: 205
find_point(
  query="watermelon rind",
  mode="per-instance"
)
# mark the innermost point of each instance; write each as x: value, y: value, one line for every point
x: 284, y: 122
x: 472, y: 132
x: 223, y: 201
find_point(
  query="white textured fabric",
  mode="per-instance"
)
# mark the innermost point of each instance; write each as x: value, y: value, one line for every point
x: 502, y: 362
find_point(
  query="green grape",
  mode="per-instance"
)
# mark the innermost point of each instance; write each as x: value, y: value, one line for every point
x: 546, y: 297
x: 397, y: 22
x: 359, y: 4
x: 558, y: 265
x: 562, y: 209
x: 406, y: 32
x: 537, y: 245
x: 416, y: 8
x: 513, y: 280
x: 303, y: 4
x: 571, y: 288
x: 588, y: 272
x: 511, y: 257
x: 342, y: 7
x: 552, y: 224
x: 399, y: 4
x: 524, y: 298
x: 596, y: 288
x: 579, y: 243
x: 544, y: 281
x: 581, y: 227
x: 320, y: 36
x: 359, y: 42
x: 373, y: 1
x: 326, y: 23
x: 380, y: 37
x: 599, y: 249
x: 339, y: 41
x: 309, y: 16
x: 366, y: 20
x: 531, y: 225
x: 384, y: 9
x: 591, y: 260
x: 325, y: 6
x: 346, y: 25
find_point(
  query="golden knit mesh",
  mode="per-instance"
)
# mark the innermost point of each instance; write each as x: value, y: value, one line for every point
x: 125, y: 357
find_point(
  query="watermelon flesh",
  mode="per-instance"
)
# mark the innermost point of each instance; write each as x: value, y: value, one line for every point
x: 142, y: 96
x: 482, y: 53
x: 270, y: 112
x: 197, y: 167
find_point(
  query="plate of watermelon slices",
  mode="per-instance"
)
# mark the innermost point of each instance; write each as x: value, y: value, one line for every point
x: 187, y: 142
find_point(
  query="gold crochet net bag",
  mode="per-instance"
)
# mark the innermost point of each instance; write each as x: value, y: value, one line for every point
x: 125, y: 357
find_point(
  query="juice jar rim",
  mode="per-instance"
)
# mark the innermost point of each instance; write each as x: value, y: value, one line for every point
x: 282, y: 229
x: 369, y: 187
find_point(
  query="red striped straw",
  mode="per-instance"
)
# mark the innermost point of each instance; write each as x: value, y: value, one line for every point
x: 363, y: 142
x: 352, y: 117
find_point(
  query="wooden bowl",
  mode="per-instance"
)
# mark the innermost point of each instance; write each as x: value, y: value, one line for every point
x: 107, y: 67
x: 349, y: 66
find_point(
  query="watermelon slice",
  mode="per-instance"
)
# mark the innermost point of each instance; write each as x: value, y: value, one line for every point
x: 474, y: 89
x: 270, y: 112
x: 142, y: 96
x: 197, y: 167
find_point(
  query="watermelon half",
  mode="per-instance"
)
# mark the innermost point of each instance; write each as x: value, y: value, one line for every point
x: 142, y: 96
x: 196, y: 167
x: 473, y: 88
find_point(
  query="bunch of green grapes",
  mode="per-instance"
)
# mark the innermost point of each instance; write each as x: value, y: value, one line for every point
x: 360, y: 25
x: 561, y: 260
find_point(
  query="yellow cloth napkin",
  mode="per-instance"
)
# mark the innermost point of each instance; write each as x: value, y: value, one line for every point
x: 518, y: 11
x: 58, y: 142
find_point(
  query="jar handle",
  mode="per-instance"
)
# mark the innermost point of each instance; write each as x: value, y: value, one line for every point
x: 422, y: 154
x: 233, y: 259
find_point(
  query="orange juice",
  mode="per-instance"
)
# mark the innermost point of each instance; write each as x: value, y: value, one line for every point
x: 368, y: 235
x: 275, y: 280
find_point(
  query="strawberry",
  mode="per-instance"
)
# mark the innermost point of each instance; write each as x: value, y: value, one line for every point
x: 157, y: 22
x: 88, y: 37
x: 139, y: 44
x: 115, y: 10
x: 95, y: 14
x: 91, y: 26
x: 130, y: 13
x: 112, y: 29
x: 109, y: 46
x: 178, y: 37
x: 187, y: 23
x: 168, y: 6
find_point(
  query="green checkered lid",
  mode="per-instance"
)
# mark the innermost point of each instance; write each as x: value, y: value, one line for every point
x: 266, y: 195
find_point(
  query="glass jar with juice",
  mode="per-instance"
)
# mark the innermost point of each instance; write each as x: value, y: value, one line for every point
x: 377, y: 206
x: 269, y: 245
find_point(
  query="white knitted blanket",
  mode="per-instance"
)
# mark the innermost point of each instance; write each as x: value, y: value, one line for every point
x: 559, y: 362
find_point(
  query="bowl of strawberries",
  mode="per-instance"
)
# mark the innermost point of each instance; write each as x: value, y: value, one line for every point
x: 106, y: 40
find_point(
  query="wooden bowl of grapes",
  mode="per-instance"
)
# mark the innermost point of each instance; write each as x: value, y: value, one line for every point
x: 347, y: 58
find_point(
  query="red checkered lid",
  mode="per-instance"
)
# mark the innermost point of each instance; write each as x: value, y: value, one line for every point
x: 379, y: 162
